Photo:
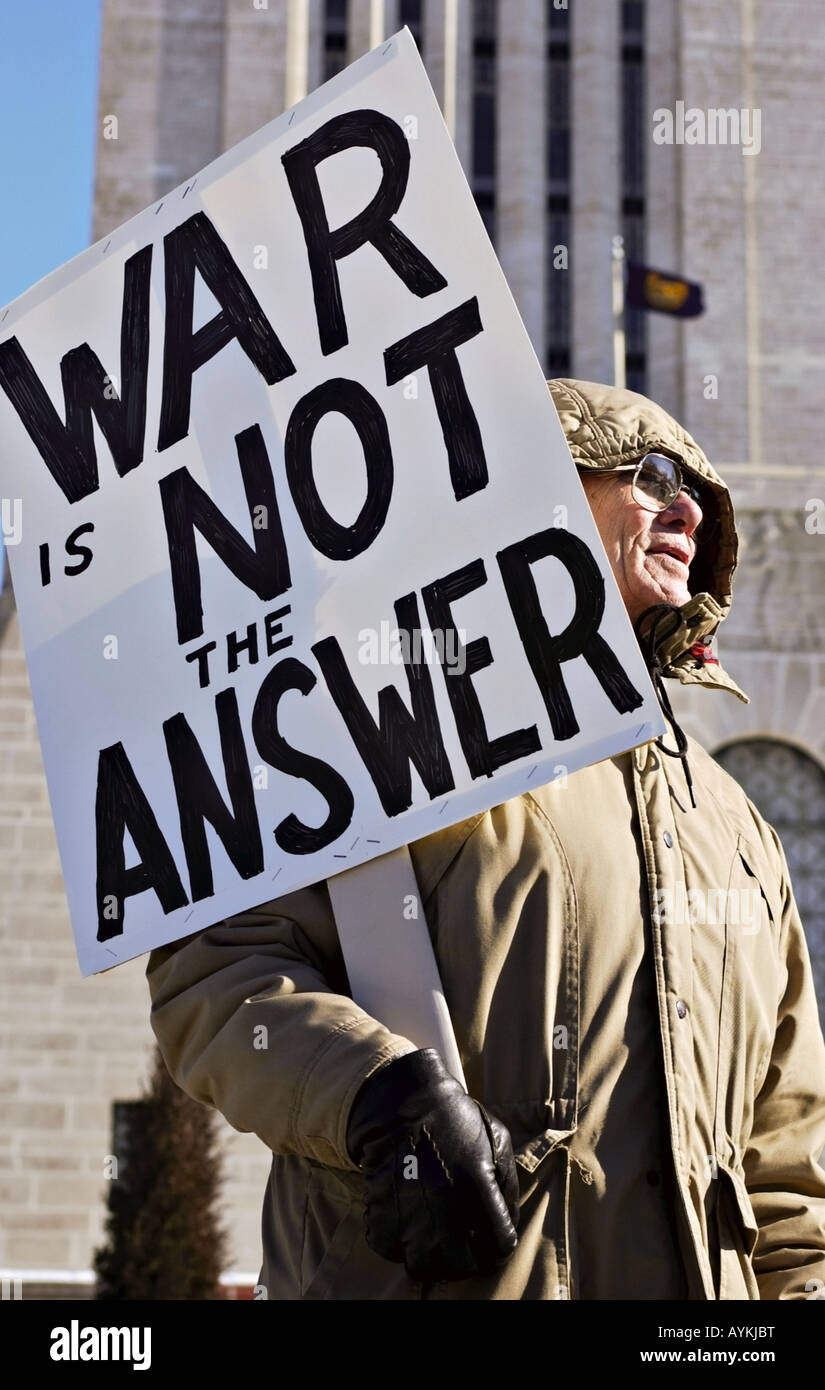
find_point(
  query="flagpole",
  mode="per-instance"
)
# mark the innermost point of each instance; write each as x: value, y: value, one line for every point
x: 619, y: 376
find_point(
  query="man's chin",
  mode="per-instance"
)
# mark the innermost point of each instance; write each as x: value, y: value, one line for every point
x: 666, y: 581
x: 675, y: 594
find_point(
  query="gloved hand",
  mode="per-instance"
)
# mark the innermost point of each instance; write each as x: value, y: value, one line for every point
x: 442, y: 1188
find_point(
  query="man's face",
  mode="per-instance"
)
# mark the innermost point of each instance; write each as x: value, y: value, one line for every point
x: 649, y: 552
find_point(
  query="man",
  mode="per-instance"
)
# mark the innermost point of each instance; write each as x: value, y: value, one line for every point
x: 647, y: 1082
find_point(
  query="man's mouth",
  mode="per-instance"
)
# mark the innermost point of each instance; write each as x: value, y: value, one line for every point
x: 675, y: 551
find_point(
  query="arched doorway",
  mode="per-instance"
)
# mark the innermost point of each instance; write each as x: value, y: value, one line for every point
x: 788, y: 787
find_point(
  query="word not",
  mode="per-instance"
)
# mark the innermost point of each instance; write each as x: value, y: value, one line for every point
x: 716, y: 126
x: 402, y: 647
x: 76, y: 1343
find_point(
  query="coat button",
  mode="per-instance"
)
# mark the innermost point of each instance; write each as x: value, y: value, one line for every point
x: 681, y: 1008
x: 668, y: 839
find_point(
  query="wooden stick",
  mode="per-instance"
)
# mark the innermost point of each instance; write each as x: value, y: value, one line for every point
x: 388, y: 953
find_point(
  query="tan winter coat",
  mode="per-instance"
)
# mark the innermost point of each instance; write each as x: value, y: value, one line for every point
x: 631, y: 992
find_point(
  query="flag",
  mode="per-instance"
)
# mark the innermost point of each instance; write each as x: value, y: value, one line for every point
x: 662, y: 291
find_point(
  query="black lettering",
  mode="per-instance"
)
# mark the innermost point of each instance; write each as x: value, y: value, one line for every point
x: 82, y: 550
x: 121, y: 805
x: 376, y: 132
x: 271, y: 629
x: 351, y: 399
x: 292, y: 835
x: 483, y: 755
x: 400, y: 737
x: 235, y: 645
x: 201, y: 655
x: 263, y: 567
x: 68, y: 450
x: 434, y: 347
x: 546, y: 653
x: 196, y: 245
x: 199, y: 799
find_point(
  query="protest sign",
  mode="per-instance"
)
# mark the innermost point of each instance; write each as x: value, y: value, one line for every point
x: 304, y: 569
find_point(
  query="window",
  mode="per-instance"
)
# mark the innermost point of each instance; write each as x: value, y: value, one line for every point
x: 558, y: 191
x: 410, y: 14
x: 126, y: 1122
x: 633, y: 179
x: 484, y: 111
x: 335, y: 37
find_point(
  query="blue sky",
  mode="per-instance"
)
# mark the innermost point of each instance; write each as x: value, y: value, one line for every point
x: 48, y: 118
x: 48, y: 123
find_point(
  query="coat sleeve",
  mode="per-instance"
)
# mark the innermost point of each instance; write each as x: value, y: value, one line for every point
x: 785, y: 1181
x: 252, y: 1017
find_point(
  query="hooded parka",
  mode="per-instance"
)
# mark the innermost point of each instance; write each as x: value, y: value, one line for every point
x: 631, y: 993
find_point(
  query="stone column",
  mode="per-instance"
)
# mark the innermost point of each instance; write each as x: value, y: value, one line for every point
x: 596, y: 182
x: 368, y: 24
x: 126, y: 115
x: 304, y: 48
x: 297, y: 51
x: 448, y: 54
x: 715, y: 236
x: 159, y: 103
x: 255, y: 68
x: 521, y: 161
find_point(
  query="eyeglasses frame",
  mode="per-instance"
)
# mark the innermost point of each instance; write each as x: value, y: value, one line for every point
x: 692, y: 490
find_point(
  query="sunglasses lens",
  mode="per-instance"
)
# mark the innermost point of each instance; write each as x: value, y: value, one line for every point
x: 657, y: 482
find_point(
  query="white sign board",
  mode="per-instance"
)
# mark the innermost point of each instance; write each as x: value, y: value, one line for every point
x: 304, y: 568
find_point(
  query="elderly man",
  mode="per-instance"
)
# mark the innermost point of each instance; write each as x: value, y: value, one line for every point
x: 646, y: 1085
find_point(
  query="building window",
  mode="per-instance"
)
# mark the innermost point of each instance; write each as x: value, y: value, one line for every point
x: 558, y: 191
x: 484, y: 111
x: 335, y: 37
x: 410, y: 14
x: 633, y: 179
x: 126, y: 1118
x: 788, y: 787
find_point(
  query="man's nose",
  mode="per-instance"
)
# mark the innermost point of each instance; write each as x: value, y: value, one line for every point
x: 686, y: 511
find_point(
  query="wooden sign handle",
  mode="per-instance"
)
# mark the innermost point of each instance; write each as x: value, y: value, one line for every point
x: 389, y: 955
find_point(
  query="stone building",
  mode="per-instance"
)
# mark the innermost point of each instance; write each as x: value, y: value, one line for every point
x: 552, y: 107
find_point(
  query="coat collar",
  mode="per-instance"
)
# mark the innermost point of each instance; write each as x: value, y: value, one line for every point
x: 684, y: 648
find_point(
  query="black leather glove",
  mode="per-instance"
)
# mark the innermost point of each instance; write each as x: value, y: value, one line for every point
x: 442, y: 1187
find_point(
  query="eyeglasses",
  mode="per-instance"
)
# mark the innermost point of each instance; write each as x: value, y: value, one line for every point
x: 657, y: 482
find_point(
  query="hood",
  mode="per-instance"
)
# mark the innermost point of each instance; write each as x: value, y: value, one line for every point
x: 606, y: 427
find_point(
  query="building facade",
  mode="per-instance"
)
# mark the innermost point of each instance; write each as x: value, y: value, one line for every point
x: 553, y: 108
